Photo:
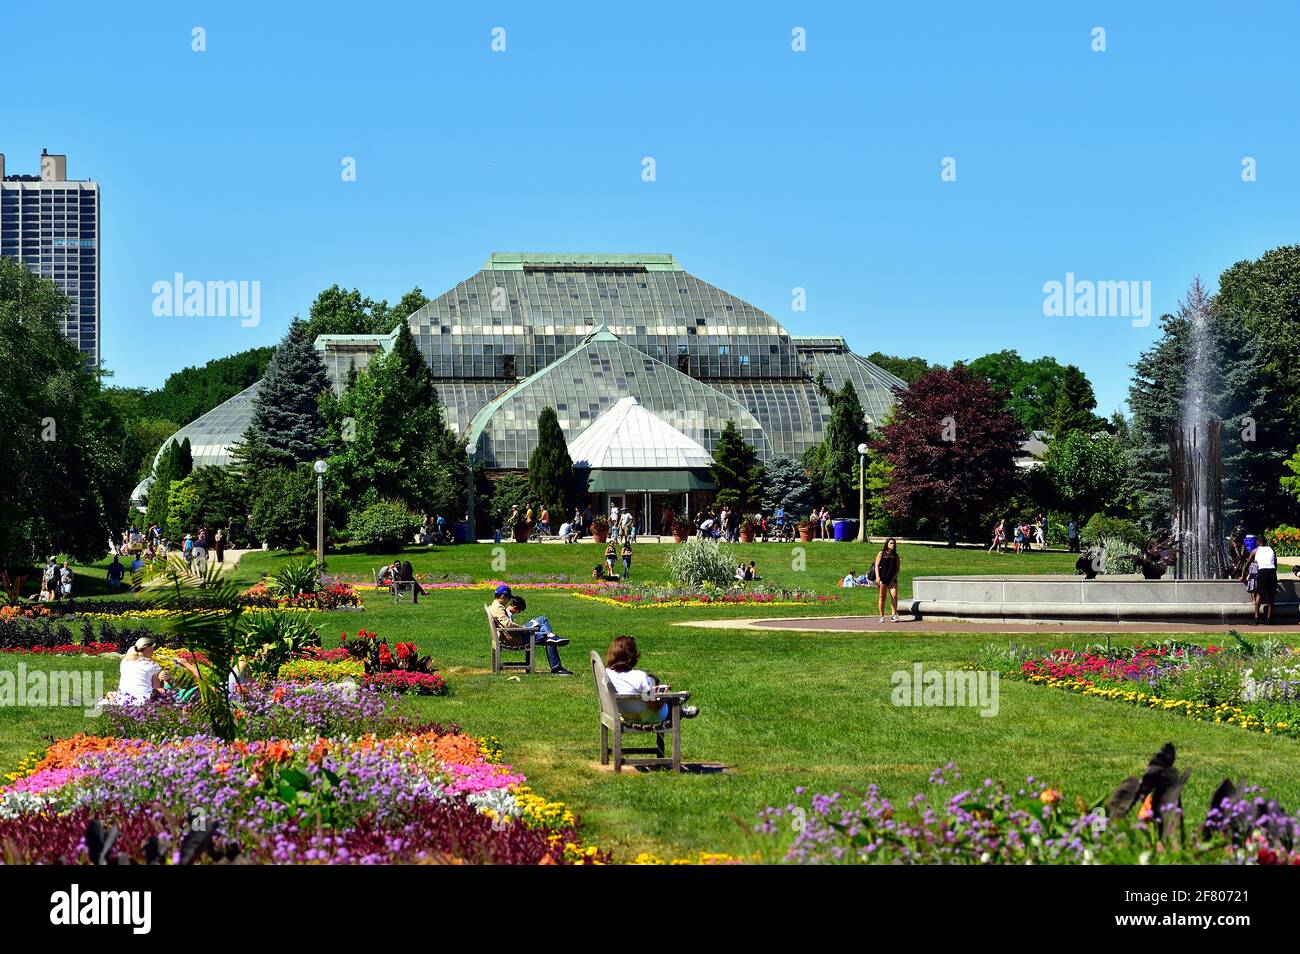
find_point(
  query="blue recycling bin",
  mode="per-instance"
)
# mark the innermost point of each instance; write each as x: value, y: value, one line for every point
x: 846, y: 531
x: 1250, y: 542
x: 460, y: 532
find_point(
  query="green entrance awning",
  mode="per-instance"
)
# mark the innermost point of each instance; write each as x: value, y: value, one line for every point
x: 602, y: 480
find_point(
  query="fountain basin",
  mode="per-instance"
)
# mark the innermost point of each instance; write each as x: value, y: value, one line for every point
x: 1118, y: 598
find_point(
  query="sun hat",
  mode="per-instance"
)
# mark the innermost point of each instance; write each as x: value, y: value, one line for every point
x: 502, y: 590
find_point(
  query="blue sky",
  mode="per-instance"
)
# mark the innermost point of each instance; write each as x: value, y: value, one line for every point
x: 774, y: 169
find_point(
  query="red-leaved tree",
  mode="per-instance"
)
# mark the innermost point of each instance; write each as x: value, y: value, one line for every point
x: 951, y: 447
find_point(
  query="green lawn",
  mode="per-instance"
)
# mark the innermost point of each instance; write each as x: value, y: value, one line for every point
x: 779, y: 709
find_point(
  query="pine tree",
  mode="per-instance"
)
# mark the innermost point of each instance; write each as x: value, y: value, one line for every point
x: 786, y: 484
x: 736, y: 471
x: 184, y: 460
x: 550, y: 468
x: 400, y: 447
x: 1074, y: 405
x: 1254, y: 421
x: 164, y: 472
x: 287, y: 428
x: 837, y: 461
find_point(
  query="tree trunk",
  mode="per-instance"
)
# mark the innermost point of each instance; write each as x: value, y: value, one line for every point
x: 952, y: 533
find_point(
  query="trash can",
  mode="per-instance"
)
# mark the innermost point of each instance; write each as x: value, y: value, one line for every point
x: 846, y: 531
x: 460, y: 532
x: 1250, y: 542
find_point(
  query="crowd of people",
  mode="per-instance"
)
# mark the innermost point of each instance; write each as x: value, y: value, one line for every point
x: 1026, y: 535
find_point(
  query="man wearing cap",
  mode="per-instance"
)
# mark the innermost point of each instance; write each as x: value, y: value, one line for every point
x: 501, y: 614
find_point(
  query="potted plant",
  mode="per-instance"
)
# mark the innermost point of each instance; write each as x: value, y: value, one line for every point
x: 682, y: 530
x: 599, y: 529
x: 748, y: 527
x: 520, y: 531
x: 805, y: 531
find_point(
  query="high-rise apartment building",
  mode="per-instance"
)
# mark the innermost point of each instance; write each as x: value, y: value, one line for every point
x: 50, y: 223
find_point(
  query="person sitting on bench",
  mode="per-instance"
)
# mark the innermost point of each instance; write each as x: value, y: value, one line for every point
x: 406, y: 574
x: 546, y: 637
x: 625, y: 679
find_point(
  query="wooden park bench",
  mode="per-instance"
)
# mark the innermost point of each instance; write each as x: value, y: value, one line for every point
x: 511, y: 639
x: 612, y: 724
x: 398, y: 588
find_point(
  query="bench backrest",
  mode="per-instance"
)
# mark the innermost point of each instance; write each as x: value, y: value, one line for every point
x: 604, y: 691
x: 492, y: 623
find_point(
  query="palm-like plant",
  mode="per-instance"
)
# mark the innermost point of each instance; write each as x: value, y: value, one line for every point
x: 294, y: 578
x: 213, y: 628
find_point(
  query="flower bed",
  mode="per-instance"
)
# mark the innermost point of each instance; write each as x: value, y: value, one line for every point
x: 279, y: 710
x: 332, y: 595
x: 416, y: 797
x: 50, y: 635
x: 67, y: 649
x: 663, y: 597
x: 1033, y: 823
x: 1243, y: 685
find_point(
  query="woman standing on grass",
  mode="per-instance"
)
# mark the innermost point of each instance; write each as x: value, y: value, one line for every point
x: 1264, y: 559
x: 888, y: 563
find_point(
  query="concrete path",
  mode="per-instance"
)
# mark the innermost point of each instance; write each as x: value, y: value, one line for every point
x: 906, y: 626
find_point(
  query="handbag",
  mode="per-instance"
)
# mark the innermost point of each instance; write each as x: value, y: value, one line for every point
x: 871, y: 573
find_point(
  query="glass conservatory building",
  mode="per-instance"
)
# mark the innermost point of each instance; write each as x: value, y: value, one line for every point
x: 582, y: 332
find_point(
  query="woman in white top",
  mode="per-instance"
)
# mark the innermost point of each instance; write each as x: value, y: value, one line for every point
x: 1264, y: 558
x: 139, y: 677
x: 625, y: 679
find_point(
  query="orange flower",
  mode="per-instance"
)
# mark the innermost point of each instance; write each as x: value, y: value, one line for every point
x: 458, y: 749
x: 1049, y: 796
x: 1146, y: 811
x: 221, y: 768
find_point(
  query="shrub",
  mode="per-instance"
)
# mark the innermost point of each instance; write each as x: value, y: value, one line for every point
x: 1100, y: 527
x: 271, y: 639
x: 1285, y: 540
x: 385, y: 526
x: 1116, y: 557
x: 702, y: 562
x: 294, y: 577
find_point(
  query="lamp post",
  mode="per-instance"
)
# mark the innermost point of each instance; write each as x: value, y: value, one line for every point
x: 471, y: 529
x: 320, y: 467
x: 862, y: 491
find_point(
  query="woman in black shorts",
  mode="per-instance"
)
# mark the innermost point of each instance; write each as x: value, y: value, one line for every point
x: 1265, y: 559
x: 887, y: 567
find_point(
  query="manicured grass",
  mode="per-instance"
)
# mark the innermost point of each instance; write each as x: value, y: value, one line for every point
x: 779, y: 709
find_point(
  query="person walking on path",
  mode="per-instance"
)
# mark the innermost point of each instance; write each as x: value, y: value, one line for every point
x: 888, y: 563
x: 220, y: 544
x: 999, y: 537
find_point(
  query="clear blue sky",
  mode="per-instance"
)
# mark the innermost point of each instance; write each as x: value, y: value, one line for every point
x: 775, y: 169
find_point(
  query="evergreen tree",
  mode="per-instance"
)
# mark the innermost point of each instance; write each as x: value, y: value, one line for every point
x: 184, y: 460
x: 399, y: 447
x: 836, y: 462
x: 166, y: 470
x: 550, y: 469
x: 287, y: 428
x: 736, y: 471
x: 1241, y: 398
x: 786, y: 484
x: 1074, y: 405
x: 1085, y: 474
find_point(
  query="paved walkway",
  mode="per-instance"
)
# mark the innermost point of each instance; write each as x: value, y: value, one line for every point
x: 906, y: 626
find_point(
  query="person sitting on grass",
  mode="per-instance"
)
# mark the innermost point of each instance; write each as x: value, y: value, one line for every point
x: 625, y: 679
x: 598, y: 573
x: 139, y: 678
x: 540, y: 625
x: 740, y: 573
x: 610, y: 555
x: 850, y: 580
x: 751, y: 572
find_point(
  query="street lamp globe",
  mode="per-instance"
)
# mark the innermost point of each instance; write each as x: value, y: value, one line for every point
x: 862, y: 448
x: 320, y: 466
